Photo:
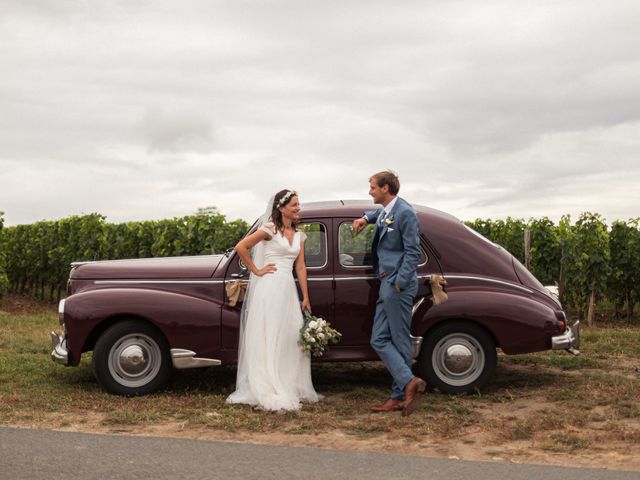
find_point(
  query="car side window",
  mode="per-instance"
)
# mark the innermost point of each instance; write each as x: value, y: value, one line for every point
x: 315, y: 246
x: 355, y: 250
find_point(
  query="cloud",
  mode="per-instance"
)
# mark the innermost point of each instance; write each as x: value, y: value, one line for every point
x: 177, y: 131
x: 146, y: 109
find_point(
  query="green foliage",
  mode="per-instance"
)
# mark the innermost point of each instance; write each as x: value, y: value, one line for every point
x: 506, y: 233
x: 588, y: 259
x: 546, y: 251
x: 4, y: 280
x: 624, y: 281
x: 355, y: 243
x: 579, y: 258
x: 38, y: 255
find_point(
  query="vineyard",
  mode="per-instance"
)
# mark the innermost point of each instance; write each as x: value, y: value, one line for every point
x: 588, y: 260
x: 37, y: 256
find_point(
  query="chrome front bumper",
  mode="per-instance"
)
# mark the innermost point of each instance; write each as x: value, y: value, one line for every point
x: 569, y: 340
x: 59, y: 342
x: 59, y: 353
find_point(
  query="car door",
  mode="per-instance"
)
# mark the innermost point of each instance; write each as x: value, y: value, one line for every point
x: 319, y: 277
x: 319, y: 266
x: 357, y: 286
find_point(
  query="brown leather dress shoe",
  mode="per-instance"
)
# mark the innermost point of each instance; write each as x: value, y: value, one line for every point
x: 412, y: 394
x: 390, y: 405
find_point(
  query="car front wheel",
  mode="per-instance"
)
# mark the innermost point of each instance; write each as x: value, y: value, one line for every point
x: 131, y: 358
x: 457, y: 357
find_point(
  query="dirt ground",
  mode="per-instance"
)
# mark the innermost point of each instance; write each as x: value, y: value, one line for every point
x: 475, y: 442
x: 596, y: 443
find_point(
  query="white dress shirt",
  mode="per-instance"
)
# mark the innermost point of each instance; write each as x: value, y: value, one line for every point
x: 387, y: 209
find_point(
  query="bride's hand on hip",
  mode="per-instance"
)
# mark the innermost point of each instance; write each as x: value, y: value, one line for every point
x: 306, y: 305
x: 268, y: 268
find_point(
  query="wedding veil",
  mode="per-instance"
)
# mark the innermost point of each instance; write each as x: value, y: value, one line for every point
x: 257, y: 255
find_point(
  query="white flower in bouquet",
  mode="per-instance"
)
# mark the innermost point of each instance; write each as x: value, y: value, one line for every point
x: 316, y: 334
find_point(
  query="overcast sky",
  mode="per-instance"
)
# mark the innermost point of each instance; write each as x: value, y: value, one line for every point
x: 150, y: 109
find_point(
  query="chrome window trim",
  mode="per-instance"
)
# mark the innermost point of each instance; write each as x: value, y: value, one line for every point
x: 489, y: 280
x: 351, y: 267
x: 326, y: 243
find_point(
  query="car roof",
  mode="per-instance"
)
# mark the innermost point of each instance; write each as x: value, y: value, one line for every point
x: 355, y: 208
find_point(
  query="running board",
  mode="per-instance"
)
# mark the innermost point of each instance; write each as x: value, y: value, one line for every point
x: 187, y: 359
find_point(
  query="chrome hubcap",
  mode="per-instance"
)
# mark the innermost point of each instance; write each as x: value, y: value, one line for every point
x: 134, y: 360
x: 458, y: 359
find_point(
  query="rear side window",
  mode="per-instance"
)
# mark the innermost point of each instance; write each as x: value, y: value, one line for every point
x: 315, y: 246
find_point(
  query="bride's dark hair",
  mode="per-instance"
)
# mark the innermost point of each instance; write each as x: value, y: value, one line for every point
x: 282, y: 199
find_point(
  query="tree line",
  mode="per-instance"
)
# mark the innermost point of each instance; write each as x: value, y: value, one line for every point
x: 4, y: 280
x: 37, y: 257
x: 588, y: 260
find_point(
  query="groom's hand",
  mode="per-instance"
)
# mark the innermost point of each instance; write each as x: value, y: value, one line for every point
x: 359, y: 224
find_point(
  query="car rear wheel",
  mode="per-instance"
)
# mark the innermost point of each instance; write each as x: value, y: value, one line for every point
x: 457, y: 357
x: 131, y: 358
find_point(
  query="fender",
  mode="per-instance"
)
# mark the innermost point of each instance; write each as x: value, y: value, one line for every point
x: 518, y: 324
x: 187, y: 321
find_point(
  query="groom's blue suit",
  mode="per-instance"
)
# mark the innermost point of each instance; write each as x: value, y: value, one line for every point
x: 396, y: 253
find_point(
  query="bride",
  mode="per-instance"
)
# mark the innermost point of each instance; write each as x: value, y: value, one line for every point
x: 273, y: 372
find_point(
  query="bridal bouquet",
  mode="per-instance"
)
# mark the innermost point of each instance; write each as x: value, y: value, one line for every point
x: 316, y: 334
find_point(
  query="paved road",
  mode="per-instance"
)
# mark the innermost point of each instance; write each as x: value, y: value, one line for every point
x: 49, y: 455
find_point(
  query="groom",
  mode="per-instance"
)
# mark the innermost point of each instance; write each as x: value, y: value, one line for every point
x: 396, y: 253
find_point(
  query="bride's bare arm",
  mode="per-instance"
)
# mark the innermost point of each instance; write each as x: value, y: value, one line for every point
x: 248, y: 243
x: 301, y: 272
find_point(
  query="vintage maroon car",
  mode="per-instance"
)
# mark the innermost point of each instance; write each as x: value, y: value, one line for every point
x: 142, y: 317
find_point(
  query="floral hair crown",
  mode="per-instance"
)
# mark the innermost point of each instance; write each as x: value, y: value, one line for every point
x: 282, y: 202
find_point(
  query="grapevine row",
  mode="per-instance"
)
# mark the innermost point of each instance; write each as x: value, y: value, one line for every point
x: 37, y: 256
x: 588, y: 260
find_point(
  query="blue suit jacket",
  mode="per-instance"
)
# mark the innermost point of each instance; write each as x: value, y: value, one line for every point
x: 395, y: 243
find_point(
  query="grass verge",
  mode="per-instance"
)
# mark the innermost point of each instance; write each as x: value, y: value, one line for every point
x: 538, y: 408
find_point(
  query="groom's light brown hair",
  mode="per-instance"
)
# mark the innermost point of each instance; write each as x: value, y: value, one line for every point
x: 387, y: 178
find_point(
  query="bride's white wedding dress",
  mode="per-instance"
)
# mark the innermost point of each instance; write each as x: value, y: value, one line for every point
x: 273, y: 372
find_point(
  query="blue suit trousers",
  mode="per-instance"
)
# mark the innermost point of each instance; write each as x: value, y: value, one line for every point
x: 390, y: 334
